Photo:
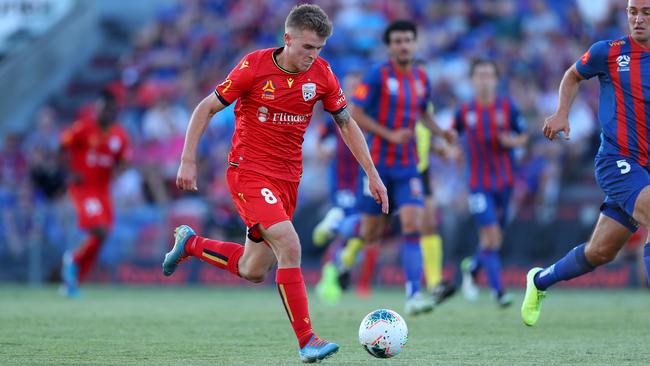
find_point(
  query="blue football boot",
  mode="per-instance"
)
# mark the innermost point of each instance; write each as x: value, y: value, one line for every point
x: 70, y: 276
x: 177, y: 254
x: 317, y: 349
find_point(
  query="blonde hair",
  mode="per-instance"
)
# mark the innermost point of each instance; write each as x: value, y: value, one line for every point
x: 309, y: 17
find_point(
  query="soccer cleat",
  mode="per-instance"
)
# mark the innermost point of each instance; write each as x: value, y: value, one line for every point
x: 470, y: 290
x: 317, y: 349
x: 70, y: 277
x: 344, y: 278
x: 324, y: 230
x: 442, y: 292
x: 419, y: 303
x: 177, y: 254
x: 531, y: 307
x: 505, y: 300
x: 328, y: 288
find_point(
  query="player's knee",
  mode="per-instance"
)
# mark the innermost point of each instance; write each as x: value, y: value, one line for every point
x: 254, y: 275
x: 290, y: 255
x: 411, y: 226
x: 597, y: 255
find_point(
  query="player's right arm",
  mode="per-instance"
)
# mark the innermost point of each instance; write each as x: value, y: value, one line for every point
x: 399, y: 136
x: 592, y: 63
x: 559, y: 121
x: 203, y: 113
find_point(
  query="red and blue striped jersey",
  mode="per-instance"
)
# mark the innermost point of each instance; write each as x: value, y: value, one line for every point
x: 344, y: 168
x: 491, y: 165
x: 394, y: 99
x: 623, y: 69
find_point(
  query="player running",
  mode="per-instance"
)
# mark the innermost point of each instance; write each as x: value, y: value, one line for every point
x: 95, y: 146
x: 391, y: 98
x: 621, y: 162
x: 276, y: 90
x: 491, y: 129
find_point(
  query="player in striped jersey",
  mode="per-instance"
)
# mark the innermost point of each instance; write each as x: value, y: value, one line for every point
x: 388, y: 102
x: 491, y: 129
x: 622, y: 167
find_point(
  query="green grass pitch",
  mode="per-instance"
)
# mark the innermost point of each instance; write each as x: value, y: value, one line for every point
x: 217, y: 326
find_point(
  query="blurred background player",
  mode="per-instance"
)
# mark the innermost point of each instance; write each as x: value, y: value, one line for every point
x: 95, y: 146
x: 622, y: 162
x: 391, y: 98
x: 491, y: 129
x: 276, y: 90
x: 340, y: 226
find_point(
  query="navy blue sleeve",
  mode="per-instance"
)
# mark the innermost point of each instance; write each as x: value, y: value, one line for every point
x: 369, y: 89
x: 594, y: 61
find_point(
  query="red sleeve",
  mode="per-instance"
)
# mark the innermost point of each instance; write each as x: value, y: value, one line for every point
x: 238, y: 82
x: 71, y: 135
x: 334, y: 99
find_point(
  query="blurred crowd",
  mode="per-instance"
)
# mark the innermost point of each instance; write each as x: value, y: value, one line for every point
x: 190, y: 47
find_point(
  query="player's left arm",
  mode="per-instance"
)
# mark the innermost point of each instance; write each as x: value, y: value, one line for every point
x: 354, y: 139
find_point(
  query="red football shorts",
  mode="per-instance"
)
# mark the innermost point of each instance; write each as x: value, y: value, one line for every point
x: 261, y: 199
x: 93, y: 205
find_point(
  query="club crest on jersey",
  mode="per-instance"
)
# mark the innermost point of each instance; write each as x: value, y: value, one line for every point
x: 262, y: 114
x: 268, y: 90
x: 623, y: 62
x: 393, y: 85
x: 419, y: 88
x: 308, y: 91
x: 114, y: 144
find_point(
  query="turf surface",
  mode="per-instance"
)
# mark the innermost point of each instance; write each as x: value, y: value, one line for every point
x: 215, y: 326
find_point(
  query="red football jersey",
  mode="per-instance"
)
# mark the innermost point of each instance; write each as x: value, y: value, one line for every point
x: 93, y: 151
x: 274, y: 107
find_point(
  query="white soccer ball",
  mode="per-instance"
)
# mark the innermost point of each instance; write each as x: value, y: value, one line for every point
x: 383, y: 333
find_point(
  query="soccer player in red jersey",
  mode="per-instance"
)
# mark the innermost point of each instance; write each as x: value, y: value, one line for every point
x: 276, y: 90
x: 622, y: 165
x: 95, y: 146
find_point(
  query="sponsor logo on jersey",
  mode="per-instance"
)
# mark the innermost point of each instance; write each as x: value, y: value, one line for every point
x: 623, y: 62
x: 243, y: 65
x: 585, y: 57
x: 268, y: 90
x: 308, y: 91
x: 290, y: 82
x: 616, y: 43
x: 282, y: 118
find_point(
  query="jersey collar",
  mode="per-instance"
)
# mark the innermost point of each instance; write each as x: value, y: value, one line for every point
x: 275, y: 62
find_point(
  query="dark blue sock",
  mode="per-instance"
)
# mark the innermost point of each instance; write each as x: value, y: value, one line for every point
x: 489, y: 259
x: 573, y: 264
x: 646, y: 260
x: 412, y: 262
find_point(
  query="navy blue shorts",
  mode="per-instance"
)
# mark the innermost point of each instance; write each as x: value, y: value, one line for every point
x: 404, y: 187
x: 622, y: 179
x: 489, y: 207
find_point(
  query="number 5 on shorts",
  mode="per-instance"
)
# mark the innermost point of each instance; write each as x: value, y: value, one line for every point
x: 268, y: 196
x: 624, y: 165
